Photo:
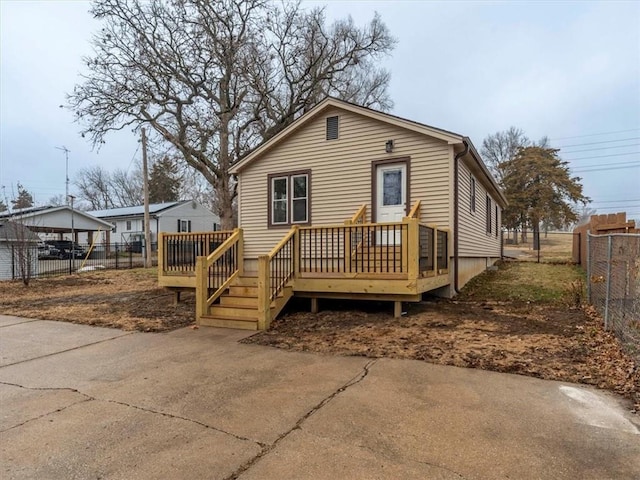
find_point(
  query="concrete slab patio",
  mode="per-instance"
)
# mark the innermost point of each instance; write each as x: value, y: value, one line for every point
x: 85, y: 402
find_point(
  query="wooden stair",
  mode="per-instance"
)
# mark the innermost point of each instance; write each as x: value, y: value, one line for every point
x: 238, y: 306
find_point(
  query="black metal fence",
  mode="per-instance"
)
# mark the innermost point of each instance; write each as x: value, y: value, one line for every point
x: 46, y: 260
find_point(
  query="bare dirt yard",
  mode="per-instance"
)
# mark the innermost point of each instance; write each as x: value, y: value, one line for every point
x: 525, y: 318
x: 125, y: 299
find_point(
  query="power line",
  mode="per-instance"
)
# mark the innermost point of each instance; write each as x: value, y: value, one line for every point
x: 618, y: 201
x: 598, y: 143
x: 596, y: 134
x: 604, y: 148
x: 635, y: 162
x: 601, y: 156
x: 603, y: 169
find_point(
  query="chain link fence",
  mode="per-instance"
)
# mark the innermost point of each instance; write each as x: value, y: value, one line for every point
x: 613, y: 271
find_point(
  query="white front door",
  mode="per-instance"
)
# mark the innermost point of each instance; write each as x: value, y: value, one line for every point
x: 391, y: 198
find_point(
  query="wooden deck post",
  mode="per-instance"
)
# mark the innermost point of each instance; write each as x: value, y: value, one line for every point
x: 435, y: 250
x: 296, y: 251
x: 264, y: 303
x: 160, y: 253
x: 240, y: 251
x: 347, y: 246
x: 397, y: 309
x: 202, y: 290
x: 413, y: 248
x: 314, y: 305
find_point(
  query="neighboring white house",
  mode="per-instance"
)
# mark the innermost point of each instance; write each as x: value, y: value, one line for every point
x: 183, y: 216
x: 18, y: 251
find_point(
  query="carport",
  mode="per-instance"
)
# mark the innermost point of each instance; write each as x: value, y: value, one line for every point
x: 59, y: 221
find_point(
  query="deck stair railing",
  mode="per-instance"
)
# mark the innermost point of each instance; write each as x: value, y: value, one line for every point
x: 275, y: 272
x: 178, y: 251
x: 217, y: 271
x: 360, y: 217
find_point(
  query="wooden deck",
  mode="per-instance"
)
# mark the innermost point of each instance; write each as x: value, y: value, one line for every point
x: 370, y: 261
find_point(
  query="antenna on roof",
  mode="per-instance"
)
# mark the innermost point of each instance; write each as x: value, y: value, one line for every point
x: 66, y: 156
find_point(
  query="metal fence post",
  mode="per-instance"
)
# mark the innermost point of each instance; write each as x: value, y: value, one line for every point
x: 608, y: 295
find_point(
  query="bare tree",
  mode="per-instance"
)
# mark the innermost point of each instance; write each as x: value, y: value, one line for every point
x: 126, y: 188
x: 501, y: 147
x: 216, y: 78
x: 102, y: 189
x: 57, y: 200
x: 93, y: 187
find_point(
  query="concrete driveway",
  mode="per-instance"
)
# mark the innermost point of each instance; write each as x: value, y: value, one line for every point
x: 85, y: 402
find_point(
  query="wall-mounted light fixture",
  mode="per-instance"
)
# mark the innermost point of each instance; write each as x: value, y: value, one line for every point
x: 388, y: 147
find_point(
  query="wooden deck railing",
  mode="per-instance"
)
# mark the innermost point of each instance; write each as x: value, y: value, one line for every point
x: 442, y: 249
x: 178, y: 251
x: 381, y: 248
x: 427, y: 248
x: 217, y: 271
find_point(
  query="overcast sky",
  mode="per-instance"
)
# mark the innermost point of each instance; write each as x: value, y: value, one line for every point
x: 568, y: 70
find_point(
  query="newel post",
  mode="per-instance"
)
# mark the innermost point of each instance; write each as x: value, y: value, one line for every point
x: 264, y: 300
x: 160, y: 253
x: 413, y: 248
x: 202, y: 290
x: 240, y: 251
x: 296, y: 251
x: 347, y: 244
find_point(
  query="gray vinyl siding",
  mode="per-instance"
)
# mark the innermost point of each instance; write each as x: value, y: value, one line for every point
x: 341, y: 174
x: 474, y: 239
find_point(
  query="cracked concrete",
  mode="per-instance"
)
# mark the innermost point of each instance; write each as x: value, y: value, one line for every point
x: 86, y: 402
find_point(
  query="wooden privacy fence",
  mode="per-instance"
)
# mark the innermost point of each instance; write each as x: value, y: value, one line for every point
x: 599, y: 225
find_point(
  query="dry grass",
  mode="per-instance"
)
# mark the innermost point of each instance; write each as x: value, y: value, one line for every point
x: 126, y: 299
x: 554, y: 248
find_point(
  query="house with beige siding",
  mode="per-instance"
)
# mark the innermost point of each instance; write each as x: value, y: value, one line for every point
x: 347, y: 202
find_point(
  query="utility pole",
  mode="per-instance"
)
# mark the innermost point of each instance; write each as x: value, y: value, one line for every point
x: 72, y: 252
x: 145, y: 183
x: 66, y: 156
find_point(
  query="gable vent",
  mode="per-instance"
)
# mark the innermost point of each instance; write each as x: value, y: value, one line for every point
x: 332, y: 128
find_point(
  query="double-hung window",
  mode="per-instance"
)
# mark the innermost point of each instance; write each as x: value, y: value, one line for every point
x: 289, y: 198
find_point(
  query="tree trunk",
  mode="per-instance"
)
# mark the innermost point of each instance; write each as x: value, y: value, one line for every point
x: 224, y: 196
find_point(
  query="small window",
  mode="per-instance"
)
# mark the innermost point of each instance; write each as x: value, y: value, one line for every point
x: 488, y: 214
x: 472, y: 198
x: 115, y: 227
x: 289, y: 198
x: 128, y: 226
x: 497, y: 226
x: 332, y: 128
